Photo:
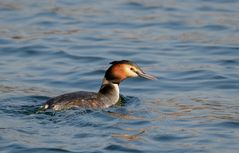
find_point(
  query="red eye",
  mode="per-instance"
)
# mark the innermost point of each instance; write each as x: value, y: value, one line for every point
x: 132, y: 69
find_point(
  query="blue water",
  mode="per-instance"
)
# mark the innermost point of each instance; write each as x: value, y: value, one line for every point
x: 50, y: 47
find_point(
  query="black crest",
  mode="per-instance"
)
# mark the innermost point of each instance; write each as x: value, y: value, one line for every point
x: 124, y: 62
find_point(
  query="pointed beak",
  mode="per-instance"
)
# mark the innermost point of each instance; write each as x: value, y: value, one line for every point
x: 146, y: 76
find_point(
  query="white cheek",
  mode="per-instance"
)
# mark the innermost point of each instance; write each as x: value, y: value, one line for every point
x: 131, y: 73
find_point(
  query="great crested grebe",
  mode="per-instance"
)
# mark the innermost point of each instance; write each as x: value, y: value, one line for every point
x: 108, y: 94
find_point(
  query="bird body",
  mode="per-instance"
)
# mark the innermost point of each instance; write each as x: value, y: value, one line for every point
x: 107, y: 96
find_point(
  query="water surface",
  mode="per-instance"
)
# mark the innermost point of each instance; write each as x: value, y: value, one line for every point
x: 52, y: 47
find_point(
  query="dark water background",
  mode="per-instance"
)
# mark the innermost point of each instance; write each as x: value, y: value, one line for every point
x: 49, y: 47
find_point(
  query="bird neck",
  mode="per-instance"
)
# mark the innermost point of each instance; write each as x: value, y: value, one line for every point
x: 109, y: 92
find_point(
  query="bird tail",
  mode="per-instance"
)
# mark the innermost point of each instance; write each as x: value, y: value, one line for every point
x: 42, y: 108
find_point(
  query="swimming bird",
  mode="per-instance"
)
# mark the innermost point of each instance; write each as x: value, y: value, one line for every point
x: 107, y: 96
